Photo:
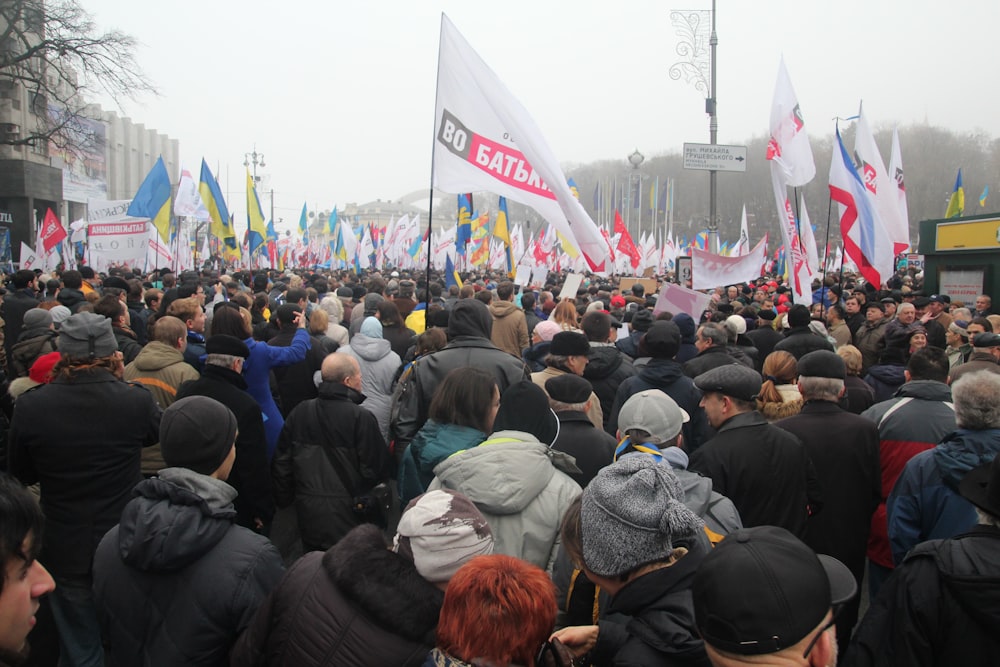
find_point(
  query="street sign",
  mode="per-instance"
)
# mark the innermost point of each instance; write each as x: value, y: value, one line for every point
x: 715, y: 157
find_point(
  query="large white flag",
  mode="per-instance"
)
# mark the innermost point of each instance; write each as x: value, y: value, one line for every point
x: 788, y: 147
x: 188, y: 202
x: 709, y: 271
x: 897, y: 182
x: 742, y: 246
x: 791, y: 164
x: 486, y: 140
x: 29, y: 260
x: 868, y: 162
x: 807, y: 237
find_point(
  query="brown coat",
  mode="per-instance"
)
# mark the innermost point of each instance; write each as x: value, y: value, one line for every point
x: 510, y: 329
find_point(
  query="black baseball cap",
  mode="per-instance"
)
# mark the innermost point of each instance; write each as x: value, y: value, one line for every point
x: 762, y: 590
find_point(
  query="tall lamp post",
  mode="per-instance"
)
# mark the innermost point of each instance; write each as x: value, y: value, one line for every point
x: 695, y: 30
x: 636, y: 159
x: 254, y: 160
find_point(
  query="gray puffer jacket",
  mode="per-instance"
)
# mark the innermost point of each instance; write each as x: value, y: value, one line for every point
x: 520, y: 486
x: 378, y: 368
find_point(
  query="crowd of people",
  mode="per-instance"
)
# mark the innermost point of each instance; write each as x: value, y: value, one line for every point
x: 319, y: 468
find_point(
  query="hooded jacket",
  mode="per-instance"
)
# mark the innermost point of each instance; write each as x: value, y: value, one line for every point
x: 378, y: 368
x: 534, y: 356
x: 510, y: 328
x: 687, y: 350
x: 925, y: 503
x: 924, y: 416
x: 651, y: 619
x: 162, y: 370
x: 520, y: 486
x: 176, y: 582
x: 941, y: 607
x: 469, y: 344
x: 434, y: 443
x: 31, y: 344
x: 885, y: 379
x: 667, y: 376
x: 356, y: 604
x: 606, y: 369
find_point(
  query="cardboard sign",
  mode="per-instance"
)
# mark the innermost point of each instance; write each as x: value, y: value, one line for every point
x: 648, y: 285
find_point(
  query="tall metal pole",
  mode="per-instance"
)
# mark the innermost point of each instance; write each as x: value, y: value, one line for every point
x: 713, y: 135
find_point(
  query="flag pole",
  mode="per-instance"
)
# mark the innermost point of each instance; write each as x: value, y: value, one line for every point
x: 430, y: 205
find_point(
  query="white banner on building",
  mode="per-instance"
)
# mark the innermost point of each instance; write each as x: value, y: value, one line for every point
x: 117, y: 243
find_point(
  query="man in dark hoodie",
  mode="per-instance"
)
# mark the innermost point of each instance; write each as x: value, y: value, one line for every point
x: 664, y: 373
x: 940, y: 606
x: 177, y: 547
x: 641, y: 321
x: 687, y: 350
x: 800, y: 339
x: 608, y: 366
x: 71, y: 294
x: 295, y: 382
x: 469, y: 344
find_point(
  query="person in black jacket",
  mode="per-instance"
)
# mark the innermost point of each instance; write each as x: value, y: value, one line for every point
x: 329, y: 451
x: 569, y: 397
x: 80, y: 437
x: 469, y: 344
x: 799, y: 339
x: 764, y: 337
x: 712, y: 341
x: 607, y: 367
x: 222, y: 379
x: 176, y: 581
x: 845, y: 450
x: 19, y: 300
x: 939, y: 606
x: 763, y: 469
x: 662, y: 342
x: 296, y: 382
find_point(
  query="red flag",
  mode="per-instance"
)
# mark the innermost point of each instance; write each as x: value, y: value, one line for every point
x: 625, y: 243
x: 52, y: 231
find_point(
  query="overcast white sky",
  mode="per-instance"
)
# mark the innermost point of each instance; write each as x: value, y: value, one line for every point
x: 339, y: 95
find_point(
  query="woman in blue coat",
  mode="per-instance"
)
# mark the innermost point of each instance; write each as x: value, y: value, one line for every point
x: 263, y: 357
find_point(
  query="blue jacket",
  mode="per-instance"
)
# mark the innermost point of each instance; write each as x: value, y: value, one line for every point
x: 257, y: 372
x: 925, y: 503
x: 433, y: 443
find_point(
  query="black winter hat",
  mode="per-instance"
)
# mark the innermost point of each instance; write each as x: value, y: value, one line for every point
x: 197, y: 433
x: 525, y: 407
x: 569, y: 343
x: 226, y: 344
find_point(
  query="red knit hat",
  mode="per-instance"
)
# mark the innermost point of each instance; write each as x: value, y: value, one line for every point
x: 41, y: 370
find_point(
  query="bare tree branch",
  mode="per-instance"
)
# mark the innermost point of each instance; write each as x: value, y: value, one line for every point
x: 54, y: 51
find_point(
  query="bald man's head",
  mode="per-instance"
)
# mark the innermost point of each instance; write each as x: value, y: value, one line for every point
x: 339, y: 367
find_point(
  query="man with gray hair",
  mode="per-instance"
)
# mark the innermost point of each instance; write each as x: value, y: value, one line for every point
x: 925, y: 503
x: 845, y: 450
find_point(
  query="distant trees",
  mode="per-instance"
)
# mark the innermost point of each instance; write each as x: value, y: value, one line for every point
x: 53, y: 56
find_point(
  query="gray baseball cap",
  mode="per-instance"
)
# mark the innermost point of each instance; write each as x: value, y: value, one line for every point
x: 655, y: 413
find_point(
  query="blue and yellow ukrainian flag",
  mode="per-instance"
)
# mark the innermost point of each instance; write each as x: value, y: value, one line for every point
x: 502, y: 232
x: 152, y: 200
x: 982, y: 197
x: 451, y: 276
x: 957, y: 202
x: 211, y: 196
x: 304, y: 224
x: 464, y: 232
x: 256, y: 228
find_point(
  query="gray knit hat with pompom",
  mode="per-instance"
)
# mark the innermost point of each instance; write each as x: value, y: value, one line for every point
x: 631, y: 514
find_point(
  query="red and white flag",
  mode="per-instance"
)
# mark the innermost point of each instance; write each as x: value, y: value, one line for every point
x: 486, y: 140
x: 709, y: 270
x: 52, y: 232
x: 868, y: 162
x: 791, y: 164
x: 807, y: 237
x: 788, y: 147
x: 896, y: 180
x: 625, y: 244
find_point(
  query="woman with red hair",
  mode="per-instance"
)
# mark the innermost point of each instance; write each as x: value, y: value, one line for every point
x: 497, y: 611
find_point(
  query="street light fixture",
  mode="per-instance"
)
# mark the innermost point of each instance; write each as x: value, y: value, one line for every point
x: 635, y: 159
x: 256, y: 159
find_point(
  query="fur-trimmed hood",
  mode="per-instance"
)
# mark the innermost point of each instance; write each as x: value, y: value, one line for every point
x: 774, y: 411
x: 384, y: 584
